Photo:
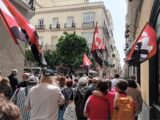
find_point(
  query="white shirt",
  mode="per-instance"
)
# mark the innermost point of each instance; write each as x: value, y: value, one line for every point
x: 114, y: 82
x: 44, y: 100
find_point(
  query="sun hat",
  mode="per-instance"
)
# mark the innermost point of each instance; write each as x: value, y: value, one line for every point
x: 32, y: 79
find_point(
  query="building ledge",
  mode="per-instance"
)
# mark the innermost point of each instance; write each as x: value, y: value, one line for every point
x: 24, y: 8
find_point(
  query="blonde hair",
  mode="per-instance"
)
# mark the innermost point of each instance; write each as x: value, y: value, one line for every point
x: 5, y: 81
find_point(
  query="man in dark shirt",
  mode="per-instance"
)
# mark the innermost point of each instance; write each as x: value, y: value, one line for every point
x: 13, y: 79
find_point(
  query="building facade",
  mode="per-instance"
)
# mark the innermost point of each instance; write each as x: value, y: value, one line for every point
x: 11, y: 56
x: 148, y: 73
x: 57, y: 16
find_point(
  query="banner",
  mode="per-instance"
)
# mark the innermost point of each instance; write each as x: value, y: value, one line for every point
x: 11, y: 23
x: 86, y: 60
x: 144, y: 47
x: 29, y: 31
x: 97, y: 47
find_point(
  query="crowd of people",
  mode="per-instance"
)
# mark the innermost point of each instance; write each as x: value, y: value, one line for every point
x: 55, y: 97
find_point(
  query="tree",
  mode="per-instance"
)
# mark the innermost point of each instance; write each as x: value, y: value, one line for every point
x: 29, y: 56
x: 70, y: 48
x: 52, y: 58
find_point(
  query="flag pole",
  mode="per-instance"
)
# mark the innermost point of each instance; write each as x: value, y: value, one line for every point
x: 88, y: 70
x: 20, y: 48
x: 101, y: 73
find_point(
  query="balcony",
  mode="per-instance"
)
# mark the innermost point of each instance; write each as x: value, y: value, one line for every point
x: 54, y: 27
x: 26, y: 7
x: 88, y: 25
x: 40, y: 27
x: 70, y: 26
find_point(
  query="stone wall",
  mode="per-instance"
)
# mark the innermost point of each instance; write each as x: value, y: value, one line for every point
x: 10, y: 55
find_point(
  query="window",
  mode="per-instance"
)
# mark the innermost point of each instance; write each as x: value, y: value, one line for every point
x: 70, y: 21
x: 89, y: 17
x: 54, y: 41
x: 89, y: 37
x: 41, y: 22
x: 55, y: 23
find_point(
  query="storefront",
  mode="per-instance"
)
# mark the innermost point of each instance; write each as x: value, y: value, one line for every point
x: 154, y: 66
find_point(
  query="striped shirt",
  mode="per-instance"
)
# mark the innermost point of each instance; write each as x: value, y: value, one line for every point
x: 19, y: 98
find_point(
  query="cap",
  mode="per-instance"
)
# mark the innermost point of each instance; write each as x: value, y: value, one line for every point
x: 33, y: 79
x: 82, y: 80
x: 47, y: 72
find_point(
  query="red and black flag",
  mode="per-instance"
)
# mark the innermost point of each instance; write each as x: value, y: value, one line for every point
x: 29, y: 31
x: 97, y: 47
x: 144, y: 47
x: 11, y: 23
x: 86, y: 60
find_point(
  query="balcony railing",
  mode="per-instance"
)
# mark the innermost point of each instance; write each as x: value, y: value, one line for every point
x: 73, y: 25
x: 52, y: 27
x: 40, y: 27
x: 87, y: 25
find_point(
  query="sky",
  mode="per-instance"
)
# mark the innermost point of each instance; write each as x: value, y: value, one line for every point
x: 118, y: 10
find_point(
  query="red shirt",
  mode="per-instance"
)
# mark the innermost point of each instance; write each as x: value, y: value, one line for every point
x: 110, y: 97
x: 97, y: 108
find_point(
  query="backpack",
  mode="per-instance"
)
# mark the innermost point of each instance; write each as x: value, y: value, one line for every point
x: 124, y: 109
x: 79, y: 100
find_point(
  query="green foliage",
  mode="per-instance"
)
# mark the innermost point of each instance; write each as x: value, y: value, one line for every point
x: 70, y: 49
x: 29, y: 56
x: 51, y: 58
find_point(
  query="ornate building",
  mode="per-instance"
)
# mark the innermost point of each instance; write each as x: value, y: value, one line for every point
x: 53, y: 17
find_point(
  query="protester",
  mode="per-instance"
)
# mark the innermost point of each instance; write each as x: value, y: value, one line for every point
x: 109, y: 97
x: 23, y: 83
x: 78, y: 96
x: 115, y: 80
x: 97, y: 108
x: 75, y: 83
x: 44, y: 99
x: 91, y: 87
x: 6, y: 87
x: 136, y: 95
x: 124, y: 106
x: 8, y: 111
x: 62, y: 82
x: 13, y: 79
x: 66, y: 91
x: 20, y: 96
x: 133, y: 77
